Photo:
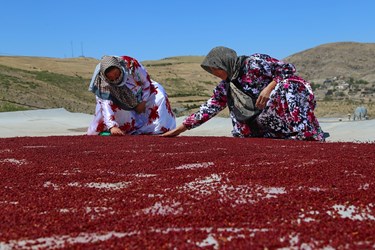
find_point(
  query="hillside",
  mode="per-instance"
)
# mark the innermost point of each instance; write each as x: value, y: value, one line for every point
x: 342, y: 75
x: 356, y: 60
x: 342, y: 72
x: 38, y: 83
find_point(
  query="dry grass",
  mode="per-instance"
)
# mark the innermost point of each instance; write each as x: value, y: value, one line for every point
x: 342, y: 109
x: 81, y: 66
x: 186, y: 83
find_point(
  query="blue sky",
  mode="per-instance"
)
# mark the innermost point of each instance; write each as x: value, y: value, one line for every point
x: 152, y: 30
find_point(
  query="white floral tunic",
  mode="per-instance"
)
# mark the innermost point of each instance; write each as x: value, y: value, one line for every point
x: 158, y: 117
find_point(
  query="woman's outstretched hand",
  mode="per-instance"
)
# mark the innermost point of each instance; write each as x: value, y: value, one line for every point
x: 116, y: 131
x: 175, y: 132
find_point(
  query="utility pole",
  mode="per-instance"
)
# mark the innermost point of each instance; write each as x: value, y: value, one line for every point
x: 82, y: 55
x: 71, y: 45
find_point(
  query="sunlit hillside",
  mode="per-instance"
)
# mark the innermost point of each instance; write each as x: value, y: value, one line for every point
x: 342, y: 75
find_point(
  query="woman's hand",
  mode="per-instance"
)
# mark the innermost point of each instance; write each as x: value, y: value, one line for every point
x: 264, y: 95
x: 116, y: 131
x: 141, y: 107
x: 175, y: 132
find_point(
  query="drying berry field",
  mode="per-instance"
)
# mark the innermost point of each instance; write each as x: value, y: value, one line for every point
x: 147, y: 192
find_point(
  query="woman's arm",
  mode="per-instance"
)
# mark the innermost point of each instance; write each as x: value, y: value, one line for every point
x: 107, y: 109
x: 141, y: 107
x: 264, y: 95
x: 209, y: 109
x: 142, y: 78
x: 206, y: 111
x: 175, y: 132
x: 274, y: 69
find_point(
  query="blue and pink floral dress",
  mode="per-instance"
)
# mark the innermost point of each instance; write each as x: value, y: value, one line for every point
x: 289, y: 112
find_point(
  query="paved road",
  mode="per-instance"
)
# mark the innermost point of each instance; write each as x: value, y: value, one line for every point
x: 61, y: 122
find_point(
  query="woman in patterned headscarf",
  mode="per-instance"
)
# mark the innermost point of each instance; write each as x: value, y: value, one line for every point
x: 283, y: 103
x: 127, y: 100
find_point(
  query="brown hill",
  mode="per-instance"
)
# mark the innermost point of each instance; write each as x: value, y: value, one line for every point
x: 81, y: 66
x: 37, y: 82
x: 345, y: 59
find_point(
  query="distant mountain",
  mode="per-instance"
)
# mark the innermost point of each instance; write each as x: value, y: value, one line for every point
x: 345, y: 59
x: 343, y: 72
